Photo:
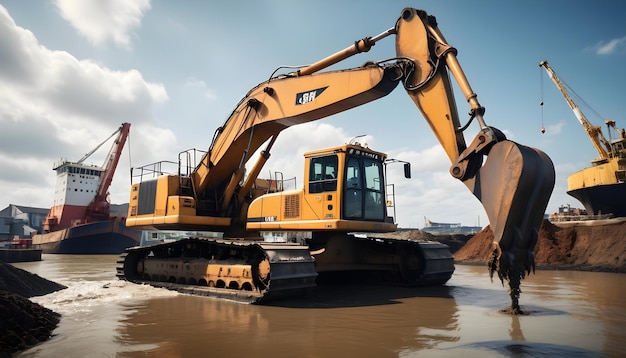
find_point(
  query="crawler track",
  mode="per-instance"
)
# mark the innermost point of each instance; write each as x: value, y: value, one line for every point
x: 378, y: 260
x: 239, y: 270
x: 259, y: 271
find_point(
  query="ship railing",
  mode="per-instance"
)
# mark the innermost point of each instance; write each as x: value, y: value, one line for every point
x: 59, y: 163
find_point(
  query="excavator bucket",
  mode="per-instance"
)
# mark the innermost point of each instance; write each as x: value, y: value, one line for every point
x: 514, y: 186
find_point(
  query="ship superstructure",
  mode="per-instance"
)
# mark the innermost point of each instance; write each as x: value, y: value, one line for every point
x: 76, y: 187
x: 79, y: 221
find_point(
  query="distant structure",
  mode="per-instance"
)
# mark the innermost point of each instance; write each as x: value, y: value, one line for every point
x: 436, y: 228
x: 25, y: 221
x: 567, y: 213
x: 21, y: 221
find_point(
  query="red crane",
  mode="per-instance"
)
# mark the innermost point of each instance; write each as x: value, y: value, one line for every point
x: 99, y: 208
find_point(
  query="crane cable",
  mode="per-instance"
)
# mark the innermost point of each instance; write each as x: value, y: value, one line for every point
x: 543, y: 129
x: 130, y: 161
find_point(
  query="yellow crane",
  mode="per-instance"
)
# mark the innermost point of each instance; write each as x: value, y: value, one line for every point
x: 601, y: 188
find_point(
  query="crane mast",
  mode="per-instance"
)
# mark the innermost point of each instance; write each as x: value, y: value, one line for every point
x: 594, y: 132
x: 99, y: 206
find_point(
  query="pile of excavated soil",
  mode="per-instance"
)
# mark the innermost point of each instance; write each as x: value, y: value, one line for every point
x: 24, y: 283
x: 454, y: 241
x: 24, y: 323
x: 589, y: 246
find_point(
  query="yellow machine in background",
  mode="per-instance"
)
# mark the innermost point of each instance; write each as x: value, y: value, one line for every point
x: 218, y: 194
x: 601, y: 188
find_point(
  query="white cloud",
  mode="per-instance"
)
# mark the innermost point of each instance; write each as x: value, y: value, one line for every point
x: 555, y: 129
x: 102, y: 21
x: 54, y: 105
x: 201, y: 86
x: 287, y: 155
x: 431, y: 192
x: 610, y: 47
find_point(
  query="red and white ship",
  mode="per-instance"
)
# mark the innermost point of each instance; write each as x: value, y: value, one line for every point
x: 80, y: 221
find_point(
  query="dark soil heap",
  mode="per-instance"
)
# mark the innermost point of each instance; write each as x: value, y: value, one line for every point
x: 588, y: 246
x: 24, y: 323
x: 454, y: 241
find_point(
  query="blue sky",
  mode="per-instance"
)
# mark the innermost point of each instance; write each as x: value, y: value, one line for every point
x: 71, y: 71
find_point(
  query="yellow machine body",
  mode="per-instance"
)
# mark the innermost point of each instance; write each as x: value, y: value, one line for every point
x: 344, y: 190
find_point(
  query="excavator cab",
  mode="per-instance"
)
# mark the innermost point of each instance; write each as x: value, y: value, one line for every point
x: 344, y: 190
x: 343, y: 205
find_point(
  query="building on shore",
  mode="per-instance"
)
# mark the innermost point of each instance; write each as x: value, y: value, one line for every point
x: 20, y: 221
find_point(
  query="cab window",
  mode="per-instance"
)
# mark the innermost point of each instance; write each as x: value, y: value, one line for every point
x: 323, y: 174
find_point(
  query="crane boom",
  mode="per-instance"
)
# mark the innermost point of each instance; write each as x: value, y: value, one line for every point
x: 99, y: 207
x: 594, y: 132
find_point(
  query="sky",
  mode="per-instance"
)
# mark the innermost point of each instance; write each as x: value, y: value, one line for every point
x: 71, y: 71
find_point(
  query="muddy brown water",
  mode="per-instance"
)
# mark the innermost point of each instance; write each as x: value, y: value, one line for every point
x: 571, y: 314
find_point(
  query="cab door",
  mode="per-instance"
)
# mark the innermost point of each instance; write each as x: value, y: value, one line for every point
x: 364, y: 190
x: 322, y: 188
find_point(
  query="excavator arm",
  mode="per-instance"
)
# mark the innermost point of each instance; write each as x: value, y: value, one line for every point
x: 515, y: 182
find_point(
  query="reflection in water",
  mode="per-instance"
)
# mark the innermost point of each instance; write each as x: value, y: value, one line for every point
x: 569, y: 308
x: 516, y: 330
x: 335, y: 321
x: 570, y: 313
x: 595, y: 298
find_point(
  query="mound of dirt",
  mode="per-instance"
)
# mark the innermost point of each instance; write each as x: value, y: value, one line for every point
x: 24, y: 283
x: 588, y: 246
x: 454, y: 241
x: 24, y: 323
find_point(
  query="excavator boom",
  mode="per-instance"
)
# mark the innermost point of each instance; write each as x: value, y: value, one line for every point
x: 515, y: 182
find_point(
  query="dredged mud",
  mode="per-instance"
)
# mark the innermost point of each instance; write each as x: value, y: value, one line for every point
x: 24, y: 323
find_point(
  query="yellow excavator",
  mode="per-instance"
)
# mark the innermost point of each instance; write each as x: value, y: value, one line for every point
x: 342, y: 203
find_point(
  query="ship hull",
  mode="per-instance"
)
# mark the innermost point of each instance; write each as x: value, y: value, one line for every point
x: 601, y: 188
x: 100, y: 238
x: 602, y: 199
